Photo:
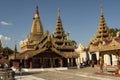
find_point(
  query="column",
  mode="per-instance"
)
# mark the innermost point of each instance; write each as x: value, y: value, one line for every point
x: 25, y: 63
x: 101, y: 63
x: 78, y: 62
x: 30, y: 64
x: 97, y: 56
x: 118, y: 61
x: 107, y: 60
x: 114, y: 60
x: 51, y: 62
x: 68, y: 61
x: 61, y: 63
x: 72, y: 62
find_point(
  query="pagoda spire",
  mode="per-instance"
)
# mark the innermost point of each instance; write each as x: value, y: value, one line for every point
x: 103, y: 32
x: 101, y: 10
x: 36, y: 13
x: 59, y: 21
x: 58, y: 12
x: 15, y: 51
x: 37, y: 28
x: 59, y: 33
x: 37, y: 10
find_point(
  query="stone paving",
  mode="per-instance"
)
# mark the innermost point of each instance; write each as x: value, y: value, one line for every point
x: 70, y: 74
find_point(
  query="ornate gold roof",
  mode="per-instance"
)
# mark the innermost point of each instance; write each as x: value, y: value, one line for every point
x: 57, y: 44
x: 110, y: 45
x: 35, y: 34
x: 103, y: 42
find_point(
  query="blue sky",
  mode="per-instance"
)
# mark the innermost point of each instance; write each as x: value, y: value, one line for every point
x: 79, y: 17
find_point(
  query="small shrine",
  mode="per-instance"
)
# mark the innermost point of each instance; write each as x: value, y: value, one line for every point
x: 107, y: 47
x: 84, y: 56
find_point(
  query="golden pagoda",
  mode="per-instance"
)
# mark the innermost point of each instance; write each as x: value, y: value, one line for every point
x: 35, y: 34
x: 60, y: 40
x: 103, y: 32
x: 46, y: 50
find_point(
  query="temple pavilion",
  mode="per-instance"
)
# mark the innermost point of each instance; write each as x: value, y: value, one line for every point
x: 42, y: 50
x: 84, y: 56
x: 104, y: 48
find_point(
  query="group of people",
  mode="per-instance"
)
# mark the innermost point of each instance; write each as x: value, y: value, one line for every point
x: 4, y: 65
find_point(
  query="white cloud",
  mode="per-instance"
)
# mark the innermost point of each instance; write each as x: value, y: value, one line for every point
x: 4, y: 38
x: 5, y: 23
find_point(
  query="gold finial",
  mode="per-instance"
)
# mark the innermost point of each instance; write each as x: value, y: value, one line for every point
x: 101, y: 10
x: 58, y: 12
x: 37, y: 10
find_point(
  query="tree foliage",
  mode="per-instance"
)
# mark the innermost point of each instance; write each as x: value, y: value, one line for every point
x: 113, y: 31
x: 73, y: 43
x: 6, y: 52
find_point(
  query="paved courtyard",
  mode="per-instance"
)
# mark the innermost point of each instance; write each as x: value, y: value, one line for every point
x: 70, y: 74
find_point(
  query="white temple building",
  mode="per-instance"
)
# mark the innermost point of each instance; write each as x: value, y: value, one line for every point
x: 84, y: 55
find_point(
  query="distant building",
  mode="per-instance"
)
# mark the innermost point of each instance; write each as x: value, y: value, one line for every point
x: 84, y: 56
x: 42, y: 50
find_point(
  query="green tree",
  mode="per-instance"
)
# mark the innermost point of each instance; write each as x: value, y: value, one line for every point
x: 7, y: 51
x: 113, y: 31
x: 73, y: 43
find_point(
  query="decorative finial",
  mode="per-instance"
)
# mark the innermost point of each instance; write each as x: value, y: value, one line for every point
x: 58, y: 12
x: 37, y: 10
x: 15, y: 50
x: 101, y: 10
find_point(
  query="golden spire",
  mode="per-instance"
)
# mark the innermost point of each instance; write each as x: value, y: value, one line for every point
x: 58, y: 12
x: 15, y: 51
x: 37, y: 28
x: 101, y: 10
x: 103, y: 32
x: 59, y: 31
x: 37, y: 10
x: 36, y: 13
x: 59, y: 22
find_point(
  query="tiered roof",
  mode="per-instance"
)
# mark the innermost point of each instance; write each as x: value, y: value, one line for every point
x: 60, y: 40
x: 58, y: 44
x: 103, y: 40
x: 103, y: 32
x: 35, y: 34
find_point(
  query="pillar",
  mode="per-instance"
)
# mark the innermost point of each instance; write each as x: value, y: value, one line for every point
x: 30, y: 64
x: 97, y: 56
x: 101, y: 63
x: 25, y: 63
x: 61, y: 63
x: 68, y: 61
x: 72, y: 62
x: 78, y: 62
x: 107, y: 60
x: 51, y: 62
x: 114, y: 60
x: 118, y: 61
